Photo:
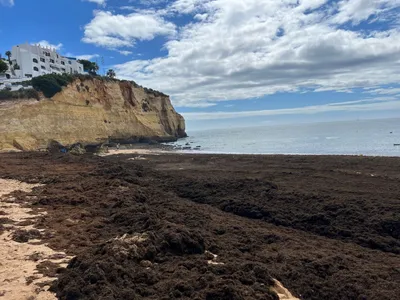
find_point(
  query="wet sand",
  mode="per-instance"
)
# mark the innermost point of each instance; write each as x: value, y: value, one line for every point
x: 146, y: 151
x: 187, y: 226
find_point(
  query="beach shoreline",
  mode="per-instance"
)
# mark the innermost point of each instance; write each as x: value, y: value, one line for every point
x: 311, y: 222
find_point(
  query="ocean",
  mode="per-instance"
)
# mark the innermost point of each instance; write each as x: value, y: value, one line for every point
x: 361, y: 137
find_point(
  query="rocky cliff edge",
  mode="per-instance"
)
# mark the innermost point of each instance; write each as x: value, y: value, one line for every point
x: 92, y: 111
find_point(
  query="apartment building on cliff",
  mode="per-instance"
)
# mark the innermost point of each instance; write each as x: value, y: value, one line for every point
x: 29, y: 61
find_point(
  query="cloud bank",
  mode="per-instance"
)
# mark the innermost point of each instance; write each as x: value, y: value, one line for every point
x: 241, y: 49
x: 372, y: 104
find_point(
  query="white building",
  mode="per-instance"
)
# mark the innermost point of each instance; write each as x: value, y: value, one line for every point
x: 29, y: 61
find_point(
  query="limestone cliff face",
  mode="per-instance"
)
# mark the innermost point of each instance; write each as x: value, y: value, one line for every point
x: 89, y: 111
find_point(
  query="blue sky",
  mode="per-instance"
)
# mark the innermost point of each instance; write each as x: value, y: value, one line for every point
x: 232, y: 62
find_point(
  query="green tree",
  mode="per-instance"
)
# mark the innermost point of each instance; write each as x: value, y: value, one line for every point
x: 8, y: 54
x: 111, y: 73
x: 3, y: 66
x: 86, y: 64
x: 89, y: 66
x: 95, y: 68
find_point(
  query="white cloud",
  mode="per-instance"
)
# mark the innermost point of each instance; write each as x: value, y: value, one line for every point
x: 7, y: 2
x: 240, y: 49
x: 373, y: 104
x: 356, y: 11
x: 128, y: 7
x: 86, y: 56
x: 47, y: 44
x: 125, y: 52
x: 113, y: 31
x: 149, y: 2
x: 188, y: 6
x: 99, y: 2
x: 384, y: 91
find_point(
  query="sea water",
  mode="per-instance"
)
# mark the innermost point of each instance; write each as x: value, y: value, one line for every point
x: 361, y: 137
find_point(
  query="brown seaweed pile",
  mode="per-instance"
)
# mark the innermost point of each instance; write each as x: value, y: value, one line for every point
x: 218, y: 227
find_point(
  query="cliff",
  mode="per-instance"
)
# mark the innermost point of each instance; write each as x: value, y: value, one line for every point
x: 89, y: 110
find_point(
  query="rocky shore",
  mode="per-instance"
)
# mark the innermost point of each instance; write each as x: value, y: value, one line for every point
x: 172, y: 226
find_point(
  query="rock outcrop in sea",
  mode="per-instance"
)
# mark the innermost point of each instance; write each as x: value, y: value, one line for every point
x: 89, y: 110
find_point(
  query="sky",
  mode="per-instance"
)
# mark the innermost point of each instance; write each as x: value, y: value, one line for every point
x: 232, y: 63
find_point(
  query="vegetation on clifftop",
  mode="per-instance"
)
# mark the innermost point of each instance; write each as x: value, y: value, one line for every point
x: 3, y: 66
x: 51, y: 84
x: 89, y: 66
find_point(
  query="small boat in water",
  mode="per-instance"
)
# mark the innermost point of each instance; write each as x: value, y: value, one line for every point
x: 396, y: 144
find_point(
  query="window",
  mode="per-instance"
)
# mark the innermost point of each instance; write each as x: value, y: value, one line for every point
x: 57, y: 55
x: 35, y: 60
x: 63, y: 63
x: 28, y: 75
x: 42, y: 59
x: 62, y: 69
x: 70, y: 62
x: 43, y: 67
x: 52, y: 61
x: 35, y: 69
x: 46, y: 53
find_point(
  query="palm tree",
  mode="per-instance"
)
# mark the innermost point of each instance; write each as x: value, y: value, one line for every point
x: 8, y: 54
x: 111, y: 73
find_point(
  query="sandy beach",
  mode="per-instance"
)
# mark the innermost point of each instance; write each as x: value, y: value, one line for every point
x: 169, y: 226
x: 22, y: 253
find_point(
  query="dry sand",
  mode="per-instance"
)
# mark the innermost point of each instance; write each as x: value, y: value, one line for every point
x: 136, y: 151
x: 16, y: 269
x: 282, y: 292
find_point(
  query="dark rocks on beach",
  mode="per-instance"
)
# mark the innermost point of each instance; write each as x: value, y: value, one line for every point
x: 186, y: 147
x: 54, y: 147
x: 92, y: 148
x: 77, y: 149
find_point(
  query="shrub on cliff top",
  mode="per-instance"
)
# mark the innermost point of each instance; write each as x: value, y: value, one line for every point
x: 51, y: 84
x: 48, y: 85
x: 3, y: 66
x: 6, y: 95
